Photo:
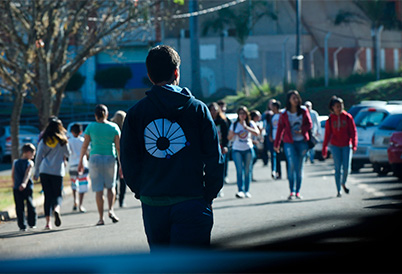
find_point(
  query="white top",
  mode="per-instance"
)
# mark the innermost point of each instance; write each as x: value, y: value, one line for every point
x: 243, y: 138
x: 295, y: 122
x: 75, y: 146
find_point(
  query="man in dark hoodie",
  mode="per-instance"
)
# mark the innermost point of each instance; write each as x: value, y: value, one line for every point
x: 171, y: 158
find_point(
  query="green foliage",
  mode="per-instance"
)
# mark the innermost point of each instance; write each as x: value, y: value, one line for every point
x: 114, y: 77
x: 75, y: 83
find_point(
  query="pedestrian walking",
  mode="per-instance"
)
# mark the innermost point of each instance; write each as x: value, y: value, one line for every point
x: 294, y: 124
x: 268, y: 145
x: 241, y: 132
x: 315, y: 130
x: 222, y: 127
x: 104, y: 137
x: 53, y: 150
x: 118, y: 118
x: 171, y: 157
x: 258, y: 141
x: 341, y: 136
x: 275, y: 156
x: 79, y: 181
x: 21, y: 173
x: 223, y: 107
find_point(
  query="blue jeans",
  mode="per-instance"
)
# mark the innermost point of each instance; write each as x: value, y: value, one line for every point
x: 187, y: 223
x: 295, y: 155
x: 243, y: 163
x: 342, y: 160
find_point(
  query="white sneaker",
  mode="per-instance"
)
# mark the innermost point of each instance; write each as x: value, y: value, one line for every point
x: 248, y: 195
x: 240, y: 194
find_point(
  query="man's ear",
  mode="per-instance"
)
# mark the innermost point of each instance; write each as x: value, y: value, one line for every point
x: 176, y: 73
x: 150, y: 79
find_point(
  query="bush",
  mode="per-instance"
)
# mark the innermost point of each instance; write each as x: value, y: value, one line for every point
x: 76, y: 81
x: 114, y: 77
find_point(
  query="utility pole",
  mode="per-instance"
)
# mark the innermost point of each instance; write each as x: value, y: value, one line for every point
x: 297, y: 60
x: 195, y: 51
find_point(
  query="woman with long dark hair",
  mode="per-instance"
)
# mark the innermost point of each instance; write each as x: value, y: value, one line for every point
x: 341, y: 135
x: 242, y: 150
x: 104, y: 137
x: 293, y: 126
x: 53, y: 150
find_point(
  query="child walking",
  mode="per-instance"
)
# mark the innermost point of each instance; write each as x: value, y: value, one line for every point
x: 23, y: 187
x: 79, y: 181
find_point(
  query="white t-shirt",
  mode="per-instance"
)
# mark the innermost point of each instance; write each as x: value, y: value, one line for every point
x: 243, y: 140
x: 274, y: 123
x: 75, y: 146
x: 295, y: 122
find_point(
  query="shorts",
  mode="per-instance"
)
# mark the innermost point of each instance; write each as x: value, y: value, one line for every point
x: 79, y: 182
x: 103, y: 170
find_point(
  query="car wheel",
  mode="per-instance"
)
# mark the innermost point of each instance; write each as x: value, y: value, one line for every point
x: 381, y: 169
x: 356, y: 166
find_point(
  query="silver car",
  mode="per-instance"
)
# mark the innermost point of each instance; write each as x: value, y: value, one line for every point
x: 367, y: 121
x: 27, y: 134
x: 380, y: 141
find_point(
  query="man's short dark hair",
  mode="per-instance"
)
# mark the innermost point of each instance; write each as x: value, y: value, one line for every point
x: 161, y: 63
x: 76, y: 128
x: 28, y: 147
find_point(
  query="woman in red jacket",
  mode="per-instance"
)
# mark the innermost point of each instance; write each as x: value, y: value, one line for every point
x: 294, y: 124
x: 340, y: 134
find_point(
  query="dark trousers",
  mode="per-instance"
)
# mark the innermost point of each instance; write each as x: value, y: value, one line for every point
x: 52, y: 188
x: 188, y: 223
x: 122, y: 191
x: 19, y: 198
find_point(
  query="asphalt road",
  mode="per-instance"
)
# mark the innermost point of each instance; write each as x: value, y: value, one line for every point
x: 321, y: 232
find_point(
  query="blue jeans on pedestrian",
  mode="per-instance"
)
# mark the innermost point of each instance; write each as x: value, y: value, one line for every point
x: 243, y: 163
x: 342, y: 161
x: 295, y: 154
x: 187, y: 223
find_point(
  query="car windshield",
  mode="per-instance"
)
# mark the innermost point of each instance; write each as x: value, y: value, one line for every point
x: 369, y: 118
x: 393, y: 122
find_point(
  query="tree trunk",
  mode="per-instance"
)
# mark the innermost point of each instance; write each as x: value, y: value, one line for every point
x: 15, y: 124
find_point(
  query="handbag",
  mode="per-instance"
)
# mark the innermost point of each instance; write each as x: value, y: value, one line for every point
x: 312, y: 140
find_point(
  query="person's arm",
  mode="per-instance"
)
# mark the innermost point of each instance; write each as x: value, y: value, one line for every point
x: 212, y: 158
x: 353, y: 132
x: 224, y: 132
x: 131, y: 152
x: 117, y: 146
x: 42, y: 150
x: 306, y: 123
x: 84, y: 148
x: 279, y: 133
x: 231, y: 133
x: 12, y: 174
x: 27, y: 176
x: 253, y: 129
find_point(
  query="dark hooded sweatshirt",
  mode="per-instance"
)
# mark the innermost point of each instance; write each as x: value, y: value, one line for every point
x: 170, y: 148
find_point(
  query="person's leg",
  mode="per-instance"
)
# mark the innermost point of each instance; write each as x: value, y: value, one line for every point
x: 346, y: 162
x: 99, y: 205
x: 110, y: 171
x: 337, y: 156
x: 57, y: 189
x: 192, y: 223
x: 290, y: 156
x: 301, y: 148
x: 237, y: 159
x: 47, y: 191
x: 32, y: 216
x: 248, y: 166
x: 19, y: 208
x: 156, y: 225
x: 122, y: 191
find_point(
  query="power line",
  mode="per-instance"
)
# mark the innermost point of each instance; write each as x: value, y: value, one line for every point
x: 208, y: 10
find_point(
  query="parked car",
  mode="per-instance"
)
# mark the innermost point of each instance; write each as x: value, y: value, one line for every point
x: 27, y: 134
x: 395, y: 154
x: 355, y: 109
x: 322, y: 119
x: 367, y: 121
x: 83, y: 123
x: 380, y: 141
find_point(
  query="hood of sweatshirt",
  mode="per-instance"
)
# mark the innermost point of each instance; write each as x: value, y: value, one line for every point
x: 170, y: 100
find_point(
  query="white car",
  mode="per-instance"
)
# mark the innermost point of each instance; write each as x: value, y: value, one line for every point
x: 27, y: 134
x: 84, y: 124
x: 367, y: 121
x: 380, y: 141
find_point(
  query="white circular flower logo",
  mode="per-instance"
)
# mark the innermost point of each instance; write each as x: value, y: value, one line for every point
x: 164, y: 138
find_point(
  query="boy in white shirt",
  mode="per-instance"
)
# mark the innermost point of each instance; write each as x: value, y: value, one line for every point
x: 79, y: 181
